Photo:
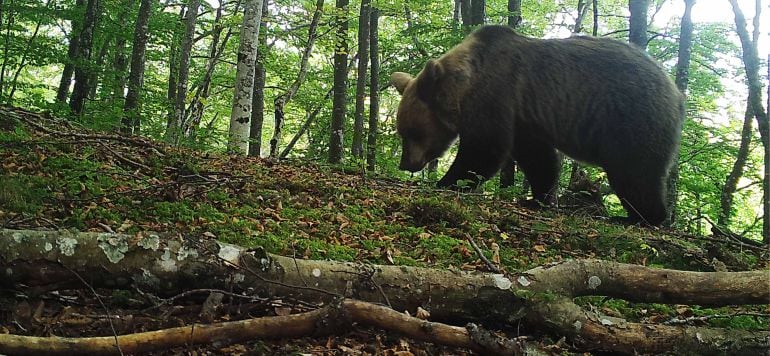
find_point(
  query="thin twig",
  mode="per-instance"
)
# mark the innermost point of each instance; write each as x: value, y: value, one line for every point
x: 489, y: 263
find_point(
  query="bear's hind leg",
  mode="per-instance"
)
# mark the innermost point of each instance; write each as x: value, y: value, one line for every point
x: 541, y: 165
x: 642, y: 195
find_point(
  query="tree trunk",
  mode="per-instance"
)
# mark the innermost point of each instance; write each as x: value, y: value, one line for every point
x: 25, y: 54
x: 363, y: 61
x: 681, y: 80
x: 456, y: 13
x: 173, y: 132
x: 766, y: 177
x: 280, y: 102
x: 582, y: 11
x: 83, y: 59
x: 258, y: 99
x: 465, y: 14
x: 310, y: 117
x: 637, y: 23
x: 478, y: 12
x: 6, y: 49
x: 751, y: 64
x: 409, y: 25
x: 539, y: 299
x: 72, y: 51
x: 514, y: 13
x: 120, y: 63
x: 595, y: 8
x: 173, y: 71
x: 731, y: 183
x: 131, y: 120
x: 339, y: 100
x: 196, y: 107
x: 240, y: 118
x: 374, y: 93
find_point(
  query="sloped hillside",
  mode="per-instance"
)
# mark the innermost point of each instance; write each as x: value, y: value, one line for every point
x: 55, y: 175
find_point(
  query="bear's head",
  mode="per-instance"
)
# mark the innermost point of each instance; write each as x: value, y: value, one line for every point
x: 428, y: 115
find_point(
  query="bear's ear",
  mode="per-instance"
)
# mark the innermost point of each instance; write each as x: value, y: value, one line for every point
x: 427, y: 84
x: 400, y: 81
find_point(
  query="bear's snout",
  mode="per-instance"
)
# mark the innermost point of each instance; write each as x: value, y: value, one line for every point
x: 409, y: 165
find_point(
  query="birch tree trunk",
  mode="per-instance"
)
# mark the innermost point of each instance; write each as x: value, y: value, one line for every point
x: 374, y: 85
x: 339, y: 101
x: 173, y: 132
x: 514, y: 13
x: 240, y: 117
x: 131, y: 119
x: 363, y: 61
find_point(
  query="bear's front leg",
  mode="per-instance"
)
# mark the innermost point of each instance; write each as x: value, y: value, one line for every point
x: 475, y: 163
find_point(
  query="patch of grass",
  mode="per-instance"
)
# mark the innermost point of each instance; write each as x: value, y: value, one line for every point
x: 23, y: 194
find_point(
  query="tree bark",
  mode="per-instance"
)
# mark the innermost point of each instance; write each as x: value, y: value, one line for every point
x: 363, y: 60
x: 540, y: 297
x: 258, y: 99
x: 131, y: 122
x: 240, y: 118
x: 478, y: 12
x: 72, y: 51
x: 731, y: 182
x: 120, y: 63
x: 514, y: 13
x: 280, y: 102
x: 339, y: 99
x: 173, y: 132
x: 196, y: 107
x: 637, y: 23
x: 681, y: 81
x: 751, y: 64
x: 173, y: 71
x: 82, y: 63
x: 374, y: 93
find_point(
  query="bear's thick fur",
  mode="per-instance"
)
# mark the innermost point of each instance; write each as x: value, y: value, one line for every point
x: 599, y: 101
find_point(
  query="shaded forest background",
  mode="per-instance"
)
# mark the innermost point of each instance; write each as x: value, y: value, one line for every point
x: 169, y: 70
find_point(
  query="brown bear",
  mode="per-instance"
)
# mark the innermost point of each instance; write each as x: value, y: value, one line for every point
x: 597, y: 100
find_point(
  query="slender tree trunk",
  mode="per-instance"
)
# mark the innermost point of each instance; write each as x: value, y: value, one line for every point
x: 98, y: 66
x: 681, y: 80
x: 258, y: 100
x: 6, y: 50
x: 514, y: 13
x: 637, y: 23
x: 456, y: 13
x: 23, y: 61
x: 766, y: 141
x: 280, y: 102
x: 478, y: 12
x: 82, y: 63
x: 374, y: 94
x: 173, y: 133
x: 72, y: 51
x: 731, y: 183
x: 196, y: 107
x: 340, y: 83
x: 465, y: 13
x: 363, y: 61
x: 595, y: 8
x: 240, y: 118
x: 306, y: 125
x: 131, y: 122
x: 409, y: 25
x: 173, y: 71
x: 751, y: 64
x: 120, y: 63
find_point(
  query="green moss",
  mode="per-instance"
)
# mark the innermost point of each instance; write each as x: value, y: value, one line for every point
x: 23, y: 194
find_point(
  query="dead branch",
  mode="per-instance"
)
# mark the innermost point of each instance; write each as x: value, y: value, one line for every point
x: 323, y: 321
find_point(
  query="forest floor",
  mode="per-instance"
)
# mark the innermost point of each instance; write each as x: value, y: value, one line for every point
x: 54, y: 175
